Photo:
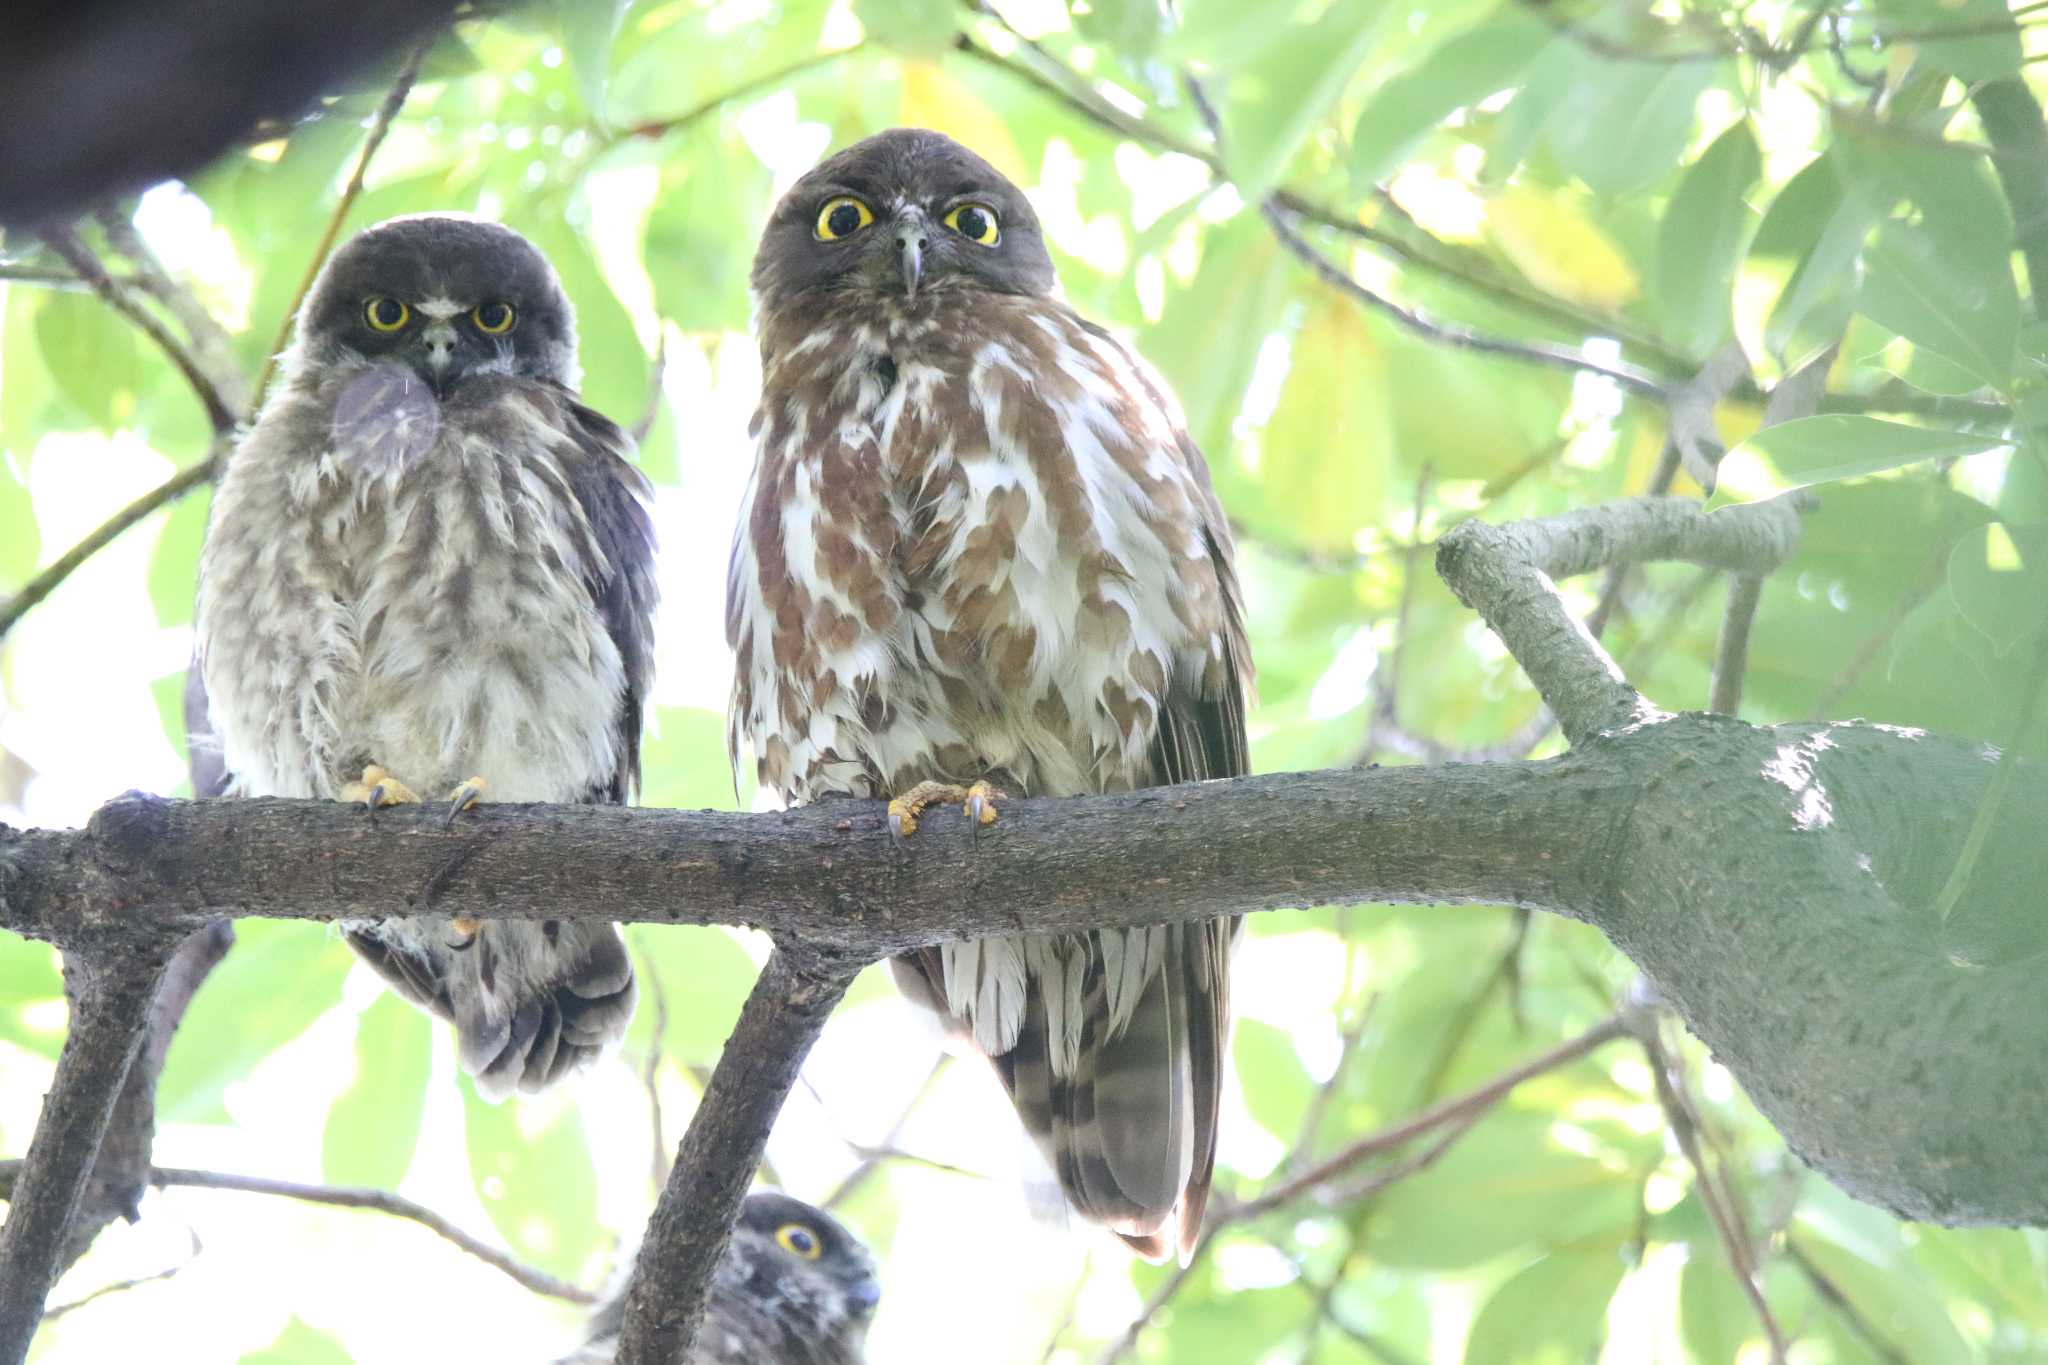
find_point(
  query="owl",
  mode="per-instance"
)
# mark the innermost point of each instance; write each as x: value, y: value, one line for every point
x: 794, y: 1288
x: 429, y: 568
x: 978, y: 555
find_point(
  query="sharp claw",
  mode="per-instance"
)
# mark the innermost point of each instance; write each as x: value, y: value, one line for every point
x: 466, y: 795
x: 897, y: 820
x: 375, y: 798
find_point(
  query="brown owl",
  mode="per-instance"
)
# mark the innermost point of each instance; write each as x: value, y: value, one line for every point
x: 980, y: 555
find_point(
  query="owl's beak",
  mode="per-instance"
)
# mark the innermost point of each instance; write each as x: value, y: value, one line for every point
x: 913, y: 235
x: 439, y: 341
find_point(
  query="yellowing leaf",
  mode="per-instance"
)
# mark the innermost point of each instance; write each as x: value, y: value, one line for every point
x: 932, y: 99
x: 1550, y: 240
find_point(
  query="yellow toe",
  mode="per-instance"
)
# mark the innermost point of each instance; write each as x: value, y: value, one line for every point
x: 378, y: 788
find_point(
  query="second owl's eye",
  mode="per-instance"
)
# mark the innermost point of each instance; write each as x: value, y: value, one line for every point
x: 975, y: 222
x: 798, y: 1240
x: 493, y: 319
x: 385, y: 314
x: 842, y: 217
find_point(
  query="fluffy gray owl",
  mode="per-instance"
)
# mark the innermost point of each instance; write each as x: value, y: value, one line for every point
x: 794, y: 1288
x: 979, y: 552
x: 428, y: 568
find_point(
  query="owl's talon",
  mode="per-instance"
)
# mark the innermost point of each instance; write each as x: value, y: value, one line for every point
x: 465, y: 796
x: 978, y: 801
x: 378, y: 788
x: 468, y: 926
x: 981, y: 805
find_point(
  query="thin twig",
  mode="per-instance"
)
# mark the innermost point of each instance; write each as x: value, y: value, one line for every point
x: 165, y: 493
x: 380, y: 1201
x: 1839, y: 1303
x: 380, y: 126
x: 212, y: 347
x: 1157, y: 1300
x: 1932, y: 575
x: 1731, y: 654
x: 1718, y: 1197
x: 121, y: 299
x: 1471, y: 1104
x: 123, y: 1286
x: 770, y: 80
x: 871, y: 1157
x: 1066, y: 1317
x: 650, y: 1075
x: 1450, y: 334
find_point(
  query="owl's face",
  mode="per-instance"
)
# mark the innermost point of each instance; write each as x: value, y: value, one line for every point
x: 802, y: 1267
x: 902, y: 214
x: 444, y: 296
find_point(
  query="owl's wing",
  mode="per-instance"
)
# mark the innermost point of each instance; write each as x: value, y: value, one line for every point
x: 613, y: 494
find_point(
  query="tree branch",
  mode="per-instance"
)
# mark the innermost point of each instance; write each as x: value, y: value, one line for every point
x: 1506, y: 574
x: 110, y: 999
x: 169, y: 491
x: 692, y: 1222
x: 1731, y: 653
x: 75, y: 254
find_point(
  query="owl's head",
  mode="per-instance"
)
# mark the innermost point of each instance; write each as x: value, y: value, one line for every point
x: 445, y: 296
x: 901, y: 214
x: 800, y: 1266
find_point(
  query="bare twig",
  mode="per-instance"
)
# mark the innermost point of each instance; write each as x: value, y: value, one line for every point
x: 110, y: 1000
x: 650, y: 1077
x: 656, y: 373
x: 380, y: 126
x: 164, y: 494
x: 692, y: 1221
x: 123, y: 1286
x: 1459, y: 1109
x: 212, y: 347
x: 871, y: 1157
x: 1450, y: 334
x: 1731, y: 654
x: 1717, y: 1195
x: 768, y: 80
x: 379, y: 1201
x: 119, y: 297
x: 1840, y: 1304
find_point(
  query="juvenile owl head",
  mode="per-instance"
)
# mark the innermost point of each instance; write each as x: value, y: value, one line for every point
x: 445, y: 296
x: 902, y: 214
x: 801, y: 1267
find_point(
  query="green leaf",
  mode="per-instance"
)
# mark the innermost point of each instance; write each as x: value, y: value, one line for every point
x: 698, y: 263
x: 1272, y: 101
x: 1990, y: 48
x: 1933, y: 299
x: 373, y: 1126
x: 1834, y: 446
x: 1715, y: 1319
x: 682, y: 761
x: 698, y: 976
x: 616, y: 369
x: 1807, y: 244
x: 243, y: 1014
x: 174, y: 563
x: 1907, y: 1317
x: 19, y: 540
x: 1625, y: 125
x: 1405, y: 108
x: 1505, y: 1185
x: 29, y: 981
x: 1999, y: 576
x: 1277, y: 1088
x: 1551, y: 1312
x: 1700, y: 241
x: 1323, y: 450
x: 93, y: 355
x: 299, y: 1344
x: 588, y: 30
x: 1208, y: 339
x: 918, y: 28
x: 533, y: 1175
x: 1132, y: 27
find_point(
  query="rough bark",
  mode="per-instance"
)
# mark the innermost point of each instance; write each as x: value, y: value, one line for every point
x: 794, y: 995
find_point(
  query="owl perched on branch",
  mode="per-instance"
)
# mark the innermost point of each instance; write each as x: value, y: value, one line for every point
x: 980, y: 555
x: 793, y: 1288
x: 429, y: 569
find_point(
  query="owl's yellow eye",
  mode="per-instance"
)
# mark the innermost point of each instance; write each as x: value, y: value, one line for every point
x: 493, y: 319
x: 842, y: 217
x: 795, y: 1238
x: 975, y: 222
x: 386, y: 315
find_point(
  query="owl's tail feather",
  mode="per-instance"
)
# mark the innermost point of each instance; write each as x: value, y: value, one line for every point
x: 531, y: 1002
x: 1127, y: 1119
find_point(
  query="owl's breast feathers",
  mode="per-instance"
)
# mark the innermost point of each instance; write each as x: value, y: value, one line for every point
x: 976, y: 540
x: 472, y: 594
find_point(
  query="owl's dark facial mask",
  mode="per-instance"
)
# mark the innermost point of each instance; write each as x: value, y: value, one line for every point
x: 901, y: 214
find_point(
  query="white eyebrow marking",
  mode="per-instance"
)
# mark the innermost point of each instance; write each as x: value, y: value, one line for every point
x: 440, y: 308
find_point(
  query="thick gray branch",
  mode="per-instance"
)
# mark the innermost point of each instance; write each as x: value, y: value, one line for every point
x: 110, y: 1002
x: 1508, y: 575
x: 795, y: 994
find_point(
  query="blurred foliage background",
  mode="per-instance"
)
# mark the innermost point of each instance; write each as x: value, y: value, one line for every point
x: 1585, y: 244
